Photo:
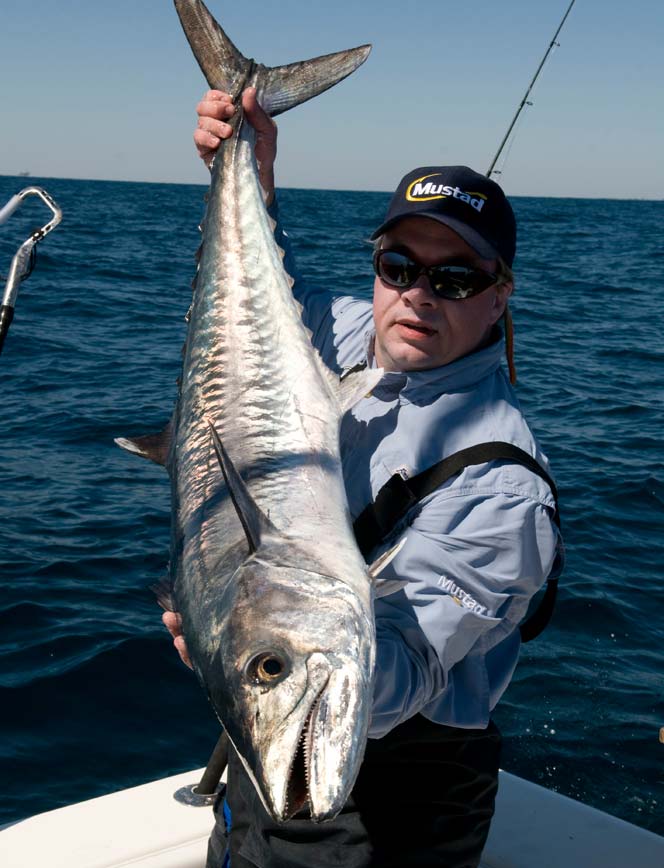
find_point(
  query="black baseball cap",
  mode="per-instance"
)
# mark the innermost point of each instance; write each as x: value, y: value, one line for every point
x: 469, y: 203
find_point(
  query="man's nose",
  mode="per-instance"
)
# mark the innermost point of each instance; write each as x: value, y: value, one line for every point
x: 420, y: 293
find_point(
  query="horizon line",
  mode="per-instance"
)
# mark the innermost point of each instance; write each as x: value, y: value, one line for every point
x: 28, y: 178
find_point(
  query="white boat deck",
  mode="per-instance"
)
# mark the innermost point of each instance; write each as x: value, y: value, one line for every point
x: 145, y: 827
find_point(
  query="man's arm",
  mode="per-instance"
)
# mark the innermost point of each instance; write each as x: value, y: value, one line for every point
x: 448, y: 642
x: 328, y: 315
x: 472, y: 562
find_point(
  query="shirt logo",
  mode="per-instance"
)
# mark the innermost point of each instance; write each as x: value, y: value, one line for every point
x: 461, y: 597
x: 420, y: 192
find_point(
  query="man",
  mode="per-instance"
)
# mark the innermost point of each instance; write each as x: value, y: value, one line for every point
x: 478, y: 546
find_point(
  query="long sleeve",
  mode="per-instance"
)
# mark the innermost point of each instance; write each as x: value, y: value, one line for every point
x: 338, y: 322
x: 476, y: 551
x: 448, y: 643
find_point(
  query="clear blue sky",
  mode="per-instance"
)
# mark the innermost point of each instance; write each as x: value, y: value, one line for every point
x: 108, y: 89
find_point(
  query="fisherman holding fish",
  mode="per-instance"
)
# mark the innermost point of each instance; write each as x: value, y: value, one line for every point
x: 481, y: 538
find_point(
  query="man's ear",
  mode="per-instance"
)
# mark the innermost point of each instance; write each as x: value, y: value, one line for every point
x: 501, y: 296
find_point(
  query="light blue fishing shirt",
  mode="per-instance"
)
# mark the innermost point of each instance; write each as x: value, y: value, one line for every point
x: 476, y: 550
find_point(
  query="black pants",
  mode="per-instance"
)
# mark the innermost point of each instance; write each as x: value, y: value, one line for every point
x: 424, y: 797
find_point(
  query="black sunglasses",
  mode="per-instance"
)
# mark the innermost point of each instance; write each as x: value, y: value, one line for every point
x: 446, y: 281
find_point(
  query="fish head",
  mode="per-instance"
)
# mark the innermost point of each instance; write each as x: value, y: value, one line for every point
x: 291, y: 681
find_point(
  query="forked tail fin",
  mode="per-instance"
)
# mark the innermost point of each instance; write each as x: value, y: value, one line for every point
x: 279, y: 87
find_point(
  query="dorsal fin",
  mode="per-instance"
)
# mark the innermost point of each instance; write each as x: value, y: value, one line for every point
x: 279, y: 87
x: 252, y: 518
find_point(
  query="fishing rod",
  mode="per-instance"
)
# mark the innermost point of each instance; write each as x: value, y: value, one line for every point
x: 524, y: 101
x: 25, y: 257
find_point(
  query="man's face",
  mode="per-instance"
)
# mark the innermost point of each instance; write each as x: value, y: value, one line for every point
x: 415, y: 329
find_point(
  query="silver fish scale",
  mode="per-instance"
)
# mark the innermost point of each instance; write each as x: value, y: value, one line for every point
x: 250, y: 368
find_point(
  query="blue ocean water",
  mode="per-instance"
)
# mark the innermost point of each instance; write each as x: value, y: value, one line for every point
x: 92, y: 696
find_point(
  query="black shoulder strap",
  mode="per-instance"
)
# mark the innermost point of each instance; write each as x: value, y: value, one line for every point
x: 398, y: 495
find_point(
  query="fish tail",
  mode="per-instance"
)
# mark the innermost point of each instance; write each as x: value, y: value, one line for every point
x: 279, y: 87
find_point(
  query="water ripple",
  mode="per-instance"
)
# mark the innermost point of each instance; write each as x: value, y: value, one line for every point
x: 93, y: 696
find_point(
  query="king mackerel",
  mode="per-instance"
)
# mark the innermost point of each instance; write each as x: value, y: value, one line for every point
x: 275, y: 597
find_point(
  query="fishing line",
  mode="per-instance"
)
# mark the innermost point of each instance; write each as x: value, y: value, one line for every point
x: 517, y: 126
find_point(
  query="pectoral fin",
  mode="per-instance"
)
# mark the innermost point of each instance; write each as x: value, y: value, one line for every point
x: 252, y: 518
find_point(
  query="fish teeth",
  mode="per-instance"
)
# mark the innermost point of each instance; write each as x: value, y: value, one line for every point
x: 304, y: 743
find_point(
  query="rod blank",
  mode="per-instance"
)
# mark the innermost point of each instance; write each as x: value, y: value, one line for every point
x: 524, y: 102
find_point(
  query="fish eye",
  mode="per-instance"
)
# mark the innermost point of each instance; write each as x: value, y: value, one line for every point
x: 266, y: 668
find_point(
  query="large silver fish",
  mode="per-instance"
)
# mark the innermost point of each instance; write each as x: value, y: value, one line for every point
x: 275, y: 598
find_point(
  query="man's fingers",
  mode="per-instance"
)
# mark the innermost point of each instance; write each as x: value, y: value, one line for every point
x: 182, y: 651
x: 218, y: 128
x: 218, y: 105
x: 206, y: 145
x: 173, y: 623
x: 215, y: 108
x: 261, y: 122
x: 220, y: 95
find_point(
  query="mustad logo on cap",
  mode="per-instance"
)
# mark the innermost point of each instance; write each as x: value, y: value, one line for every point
x: 418, y: 191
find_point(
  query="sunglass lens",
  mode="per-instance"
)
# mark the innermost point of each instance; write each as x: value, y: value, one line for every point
x: 396, y: 269
x: 459, y: 282
x: 447, y: 281
x: 450, y: 283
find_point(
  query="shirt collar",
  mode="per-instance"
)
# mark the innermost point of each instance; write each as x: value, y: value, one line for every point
x: 413, y: 386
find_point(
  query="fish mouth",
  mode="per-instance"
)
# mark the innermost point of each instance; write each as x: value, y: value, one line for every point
x: 324, y: 748
x: 298, y: 790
